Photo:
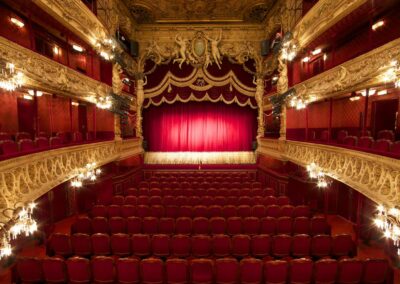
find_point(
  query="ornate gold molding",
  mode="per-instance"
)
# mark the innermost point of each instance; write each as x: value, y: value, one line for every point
x: 28, y: 177
x: 377, y: 177
x: 45, y: 74
x: 323, y: 15
x: 359, y: 73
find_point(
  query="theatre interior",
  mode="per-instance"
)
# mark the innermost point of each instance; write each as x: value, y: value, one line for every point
x: 200, y: 141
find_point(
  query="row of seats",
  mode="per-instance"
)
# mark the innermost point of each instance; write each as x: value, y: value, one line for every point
x: 161, y: 245
x: 367, y: 142
x: 226, y: 183
x: 202, y: 225
x: 103, y: 269
x: 175, y: 211
x: 200, y: 192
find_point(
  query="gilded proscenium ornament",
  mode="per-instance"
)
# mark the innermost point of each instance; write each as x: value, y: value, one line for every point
x: 377, y: 177
x: 45, y: 74
x: 140, y: 83
x: 28, y: 177
x: 259, y: 98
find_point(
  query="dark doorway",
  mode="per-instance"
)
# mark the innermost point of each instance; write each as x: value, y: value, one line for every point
x: 82, y: 119
x: 26, y: 115
x: 384, y: 115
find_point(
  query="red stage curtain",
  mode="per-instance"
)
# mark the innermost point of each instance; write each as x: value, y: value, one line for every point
x: 199, y: 127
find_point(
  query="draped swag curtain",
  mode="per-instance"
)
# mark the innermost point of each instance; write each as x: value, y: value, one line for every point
x: 199, y: 127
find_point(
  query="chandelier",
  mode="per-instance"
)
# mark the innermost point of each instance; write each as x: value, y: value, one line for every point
x: 315, y: 172
x: 106, y: 48
x: 388, y: 221
x: 298, y: 103
x: 21, y: 222
x: 10, y: 79
x: 104, y: 102
x: 89, y: 172
x: 289, y: 47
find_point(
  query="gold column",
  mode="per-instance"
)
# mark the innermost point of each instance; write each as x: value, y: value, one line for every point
x: 117, y: 127
x: 282, y: 87
x: 139, y: 104
x: 259, y: 98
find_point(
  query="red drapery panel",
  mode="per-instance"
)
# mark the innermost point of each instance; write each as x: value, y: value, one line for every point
x: 199, y: 127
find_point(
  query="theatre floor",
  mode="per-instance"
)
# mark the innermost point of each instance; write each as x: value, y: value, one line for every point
x: 338, y: 225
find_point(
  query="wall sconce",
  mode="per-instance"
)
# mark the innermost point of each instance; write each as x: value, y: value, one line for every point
x: 17, y: 22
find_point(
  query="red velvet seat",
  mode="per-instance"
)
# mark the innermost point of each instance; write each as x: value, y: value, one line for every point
x: 54, y: 270
x: 350, y: 141
x: 180, y: 245
x: 183, y: 225
x: 171, y: 211
x: 201, y: 225
x: 120, y: 245
x: 251, y: 270
x: 201, y: 271
x: 177, y: 271
x: 365, y: 142
x: 214, y: 211
x: 396, y: 147
x: 244, y: 200
x: 269, y: 191
x: 155, y: 200
x: 375, y: 271
x: 226, y: 271
x: 100, y: 225
x: 82, y: 225
x: 229, y: 211
x: 258, y: 211
x: 200, y: 211
x: 160, y: 245
x: 117, y: 225
x: 276, y: 272
x: 141, y: 245
x: 244, y: 211
x: 157, y: 211
x: 185, y: 211
x: 101, y: 244
x: 166, y: 226
x: 99, y: 211
x: 133, y: 225
x: 350, y: 271
x: 321, y: 246
x: 234, y: 225
x: 284, y: 225
x: 301, y: 271
x: 30, y: 270
x: 181, y: 200
x: 8, y: 147
x: 282, y: 200
x: 341, y: 135
x: 301, y: 211
x: 22, y: 135
x: 240, y: 245
x: 281, y: 246
x: 128, y: 211
x: 150, y: 225
x: 342, y: 245
x: 127, y: 270
x: 382, y: 145
x: 60, y: 244
x: 386, y: 134
x: 42, y: 142
x: 286, y: 211
x: 273, y: 211
x: 301, y: 245
x: 201, y: 245
x: 143, y: 211
x: 268, y: 226
x: 143, y: 199
x: 319, y: 226
x: 251, y: 225
x: 55, y: 141
x: 325, y: 271
x: 131, y: 200
x: 152, y: 271
x: 78, y: 270
x: 81, y: 244
x: 118, y: 200
x: 221, y: 245
x: 5, y: 136
x: 154, y: 191
x: 26, y: 145
x: 103, y: 269
x: 261, y: 246
x: 217, y: 225
x: 301, y: 225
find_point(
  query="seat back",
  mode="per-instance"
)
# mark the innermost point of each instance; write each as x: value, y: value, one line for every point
x: 120, y: 244
x: 103, y: 269
x: 301, y: 271
x: 375, y: 271
x: 251, y: 270
x: 101, y: 244
x: 325, y: 271
x: 78, y: 269
x: 350, y: 271
x: 81, y: 244
x: 152, y: 271
x: 226, y: 270
x: 29, y: 270
x: 60, y: 244
x: 54, y: 270
x: 177, y: 271
x: 276, y: 271
x: 127, y: 270
x: 201, y: 271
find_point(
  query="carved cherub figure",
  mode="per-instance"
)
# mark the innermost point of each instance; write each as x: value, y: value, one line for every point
x: 215, y: 50
x: 182, y: 50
